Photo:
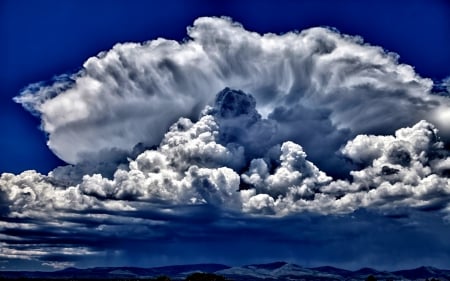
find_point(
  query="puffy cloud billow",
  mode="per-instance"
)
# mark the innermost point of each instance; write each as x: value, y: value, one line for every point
x: 328, y: 86
x: 229, y: 130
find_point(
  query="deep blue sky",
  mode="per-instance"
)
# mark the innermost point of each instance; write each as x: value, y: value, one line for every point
x: 40, y: 39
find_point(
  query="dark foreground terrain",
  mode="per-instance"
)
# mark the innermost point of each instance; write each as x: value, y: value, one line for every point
x: 277, y: 271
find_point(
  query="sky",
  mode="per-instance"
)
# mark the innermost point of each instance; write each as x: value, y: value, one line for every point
x: 167, y: 132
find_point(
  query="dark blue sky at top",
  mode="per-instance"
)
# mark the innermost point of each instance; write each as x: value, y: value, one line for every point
x: 40, y: 39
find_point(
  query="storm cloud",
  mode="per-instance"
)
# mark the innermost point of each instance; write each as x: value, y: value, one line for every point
x: 227, y: 132
x: 328, y: 86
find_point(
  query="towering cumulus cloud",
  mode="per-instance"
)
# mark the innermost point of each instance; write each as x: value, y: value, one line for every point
x: 231, y: 129
x: 328, y: 86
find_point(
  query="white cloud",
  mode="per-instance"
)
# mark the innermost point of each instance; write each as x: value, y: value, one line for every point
x: 189, y: 166
x: 206, y: 162
x: 401, y: 171
x: 58, y: 265
x: 132, y: 93
x: 317, y: 96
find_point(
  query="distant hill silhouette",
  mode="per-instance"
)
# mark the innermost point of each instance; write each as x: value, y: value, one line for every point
x: 275, y: 271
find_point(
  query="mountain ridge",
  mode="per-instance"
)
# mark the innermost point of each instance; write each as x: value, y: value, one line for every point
x: 279, y: 271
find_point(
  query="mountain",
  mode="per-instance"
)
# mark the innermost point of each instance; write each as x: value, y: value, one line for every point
x: 175, y: 272
x: 362, y: 273
x: 423, y: 272
x: 276, y: 271
x: 333, y: 271
x: 181, y: 271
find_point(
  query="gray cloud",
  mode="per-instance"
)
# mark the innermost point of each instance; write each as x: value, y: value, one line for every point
x: 321, y: 130
x: 321, y: 87
x: 190, y: 187
x: 214, y: 161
